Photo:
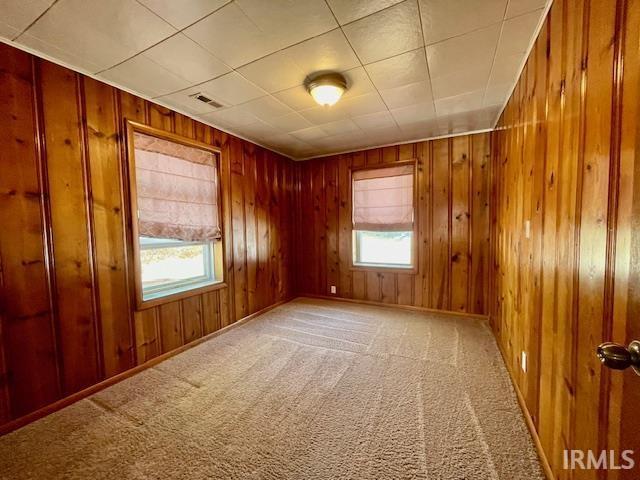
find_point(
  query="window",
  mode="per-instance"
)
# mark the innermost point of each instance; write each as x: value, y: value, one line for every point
x: 383, y: 217
x: 171, y: 266
x: 175, y: 198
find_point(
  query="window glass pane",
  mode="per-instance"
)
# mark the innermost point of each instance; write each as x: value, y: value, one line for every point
x: 173, y: 265
x: 384, y: 248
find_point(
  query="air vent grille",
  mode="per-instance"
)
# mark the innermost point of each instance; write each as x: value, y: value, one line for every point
x: 205, y: 99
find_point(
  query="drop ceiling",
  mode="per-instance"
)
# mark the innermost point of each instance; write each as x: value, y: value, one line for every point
x: 416, y: 69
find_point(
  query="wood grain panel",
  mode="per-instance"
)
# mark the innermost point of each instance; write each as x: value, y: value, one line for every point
x: 565, y: 161
x: 66, y: 318
x: 71, y: 232
x: 452, y: 224
x: 29, y: 355
x: 109, y: 227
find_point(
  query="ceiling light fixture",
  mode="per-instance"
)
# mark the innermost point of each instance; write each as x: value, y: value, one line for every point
x: 326, y: 89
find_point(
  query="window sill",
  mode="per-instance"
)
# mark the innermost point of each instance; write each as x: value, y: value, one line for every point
x: 154, y: 302
x: 370, y: 267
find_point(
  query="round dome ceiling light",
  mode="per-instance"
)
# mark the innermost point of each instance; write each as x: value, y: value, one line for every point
x: 326, y: 89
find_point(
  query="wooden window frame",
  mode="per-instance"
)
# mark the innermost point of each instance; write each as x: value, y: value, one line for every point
x: 131, y: 129
x: 413, y: 269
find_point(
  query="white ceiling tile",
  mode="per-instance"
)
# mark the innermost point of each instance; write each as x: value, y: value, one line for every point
x: 419, y: 130
x: 516, y: 34
x: 506, y: 68
x: 363, y: 104
x: 467, y: 102
x: 466, y: 121
x: 309, y: 134
x: 290, y: 122
x: 518, y: 7
x: 266, y: 108
x: 341, y: 141
x: 83, y: 64
x: 185, y: 58
x: 297, y: 98
x: 329, y: 51
x: 96, y: 33
x: 410, y: 67
x: 290, y: 21
x: 145, y: 76
x: 386, y: 33
x: 232, y: 37
x: 407, y: 94
x: 274, y: 73
x: 442, y: 19
x: 358, y: 83
x: 461, y: 81
x: 386, y: 135
x: 374, y: 121
x: 418, y: 112
x: 7, y: 31
x: 233, y: 116
x: 303, y: 152
x: 320, y: 115
x: 230, y: 89
x: 182, y: 101
x: 16, y: 15
x: 496, y: 94
x: 473, y: 50
x: 258, y: 129
x: 339, y: 127
x: 347, y: 11
x: 279, y: 141
x: 182, y: 13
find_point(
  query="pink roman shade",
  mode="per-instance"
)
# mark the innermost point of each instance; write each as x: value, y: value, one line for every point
x: 177, y: 190
x: 383, y: 199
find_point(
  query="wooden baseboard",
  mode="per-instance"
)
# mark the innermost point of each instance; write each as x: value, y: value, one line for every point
x: 542, y: 455
x: 66, y: 401
x: 474, y: 316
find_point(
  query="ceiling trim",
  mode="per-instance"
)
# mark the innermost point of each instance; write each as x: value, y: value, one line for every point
x: 532, y: 42
x: 132, y: 92
x: 448, y: 135
x: 270, y: 148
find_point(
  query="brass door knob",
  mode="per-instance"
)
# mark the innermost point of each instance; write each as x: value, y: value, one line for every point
x: 619, y: 357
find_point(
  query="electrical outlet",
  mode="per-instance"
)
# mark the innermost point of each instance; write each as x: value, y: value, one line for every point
x: 527, y: 229
x: 333, y: 289
x: 523, y: 361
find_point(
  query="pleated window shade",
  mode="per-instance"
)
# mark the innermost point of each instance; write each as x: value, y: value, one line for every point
x: 177, y: 190
x: 383, y: 199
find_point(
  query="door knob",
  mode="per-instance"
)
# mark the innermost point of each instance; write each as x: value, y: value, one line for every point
x: 619, y: 357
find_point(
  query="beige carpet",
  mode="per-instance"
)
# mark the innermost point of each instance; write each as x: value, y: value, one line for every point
x: 312, y: 389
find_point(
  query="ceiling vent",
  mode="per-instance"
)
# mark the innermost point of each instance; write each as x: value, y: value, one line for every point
x: 203, y: 98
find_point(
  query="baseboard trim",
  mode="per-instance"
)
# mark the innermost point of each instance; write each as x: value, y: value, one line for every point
x: 542, y: 455
x: 474, y: 316
x: 66, y: 401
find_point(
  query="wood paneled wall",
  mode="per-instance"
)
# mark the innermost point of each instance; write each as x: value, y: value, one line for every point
x: 453, y: 227
x: 565, y: 159
x: 67, y: 319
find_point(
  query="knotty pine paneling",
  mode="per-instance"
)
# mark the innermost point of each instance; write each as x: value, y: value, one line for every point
x: 67, y: 319
x: 453, y: 227
x: 565, y: 159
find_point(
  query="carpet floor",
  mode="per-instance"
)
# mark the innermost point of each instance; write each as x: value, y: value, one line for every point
x: 313, y: 389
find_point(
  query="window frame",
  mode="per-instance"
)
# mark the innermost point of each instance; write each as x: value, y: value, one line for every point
x: 141, y: 304
x: 392, y: 268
